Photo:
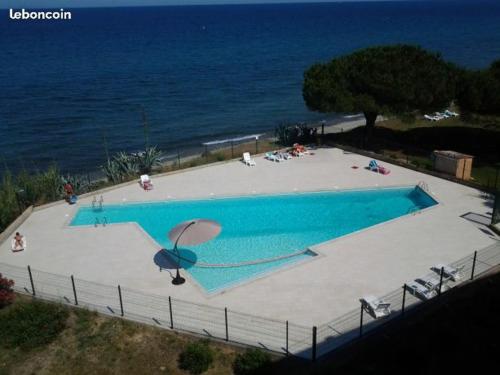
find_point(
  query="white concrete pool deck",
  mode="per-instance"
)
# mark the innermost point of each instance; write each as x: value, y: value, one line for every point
x: 374, y: 261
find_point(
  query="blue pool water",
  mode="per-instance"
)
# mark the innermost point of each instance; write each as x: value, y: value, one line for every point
x: 256, y: 228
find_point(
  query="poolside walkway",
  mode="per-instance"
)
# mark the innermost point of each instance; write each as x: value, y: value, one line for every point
x: 373, y: 261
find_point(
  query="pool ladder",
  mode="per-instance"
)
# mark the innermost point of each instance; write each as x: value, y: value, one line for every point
x: 104, y: 222
x: 97, y: 204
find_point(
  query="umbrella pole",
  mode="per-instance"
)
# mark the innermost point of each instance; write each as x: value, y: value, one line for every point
x: 178, y: 279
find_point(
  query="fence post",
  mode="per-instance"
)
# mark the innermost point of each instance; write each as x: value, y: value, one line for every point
x: 178, y: 159
x: 315, y: 331
x: 404, y: 300
x: 171, y: 315
x: 74, y: 289
x: 256, y: 145
x: 227, y: 331
x: 361, y: 321
x: 31, y: 281
x: 286, y: 346
x: 121, y: 301
x: 440, y: 281
x: 473, y: 266
x: 232, y: 150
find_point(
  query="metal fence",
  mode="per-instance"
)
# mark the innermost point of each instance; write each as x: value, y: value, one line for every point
x: 165, y: 312
x: 224, y: 324
x: 358, y: 322
x: 218, y: 150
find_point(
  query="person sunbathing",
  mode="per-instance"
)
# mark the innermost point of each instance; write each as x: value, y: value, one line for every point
x: 19, y: 243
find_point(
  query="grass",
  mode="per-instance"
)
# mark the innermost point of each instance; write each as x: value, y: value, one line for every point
x: 475, y: 121
x: 90, y: 343
x: 28, y: 325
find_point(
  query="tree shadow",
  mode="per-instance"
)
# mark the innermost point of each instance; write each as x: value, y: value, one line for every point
x: 479, y: 142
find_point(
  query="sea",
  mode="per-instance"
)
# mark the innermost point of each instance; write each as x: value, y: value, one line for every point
x: 73, y: 92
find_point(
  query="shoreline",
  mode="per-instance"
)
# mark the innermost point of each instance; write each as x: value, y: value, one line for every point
x: 344, y: 123
x: 190, y: 154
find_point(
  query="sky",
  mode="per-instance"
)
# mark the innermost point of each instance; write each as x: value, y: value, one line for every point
x: 17, y: 4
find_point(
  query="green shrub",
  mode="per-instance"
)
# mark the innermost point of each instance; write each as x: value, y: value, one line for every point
x: 253, y: 361
x: 196, y: 357
x: 29, y: 325
x: 288, y: 134
x: 220, y: 156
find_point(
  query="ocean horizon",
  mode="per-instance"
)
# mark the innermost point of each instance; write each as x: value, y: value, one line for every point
x: 199, y: 72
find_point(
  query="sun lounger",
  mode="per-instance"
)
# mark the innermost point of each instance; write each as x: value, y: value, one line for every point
x: 284, y: 155
x: 146, y: 182
x: 420, y: 291
x: 375, y: 307
x: 248, y: 160
x: 15, y: 248
x: 450, y: 113
x: 431, y: 282
x: 449, y: 272
x: 373, y: 166
x: 273, y: 157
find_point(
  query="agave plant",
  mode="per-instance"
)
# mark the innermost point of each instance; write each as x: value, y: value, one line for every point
x: 112, y: 171
x: 127, y: 164
x: 148, y: 159
x: 123, y: 166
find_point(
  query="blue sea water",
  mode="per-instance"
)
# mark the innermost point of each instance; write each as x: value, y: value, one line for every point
x: 260, y: 228
x: 200, y: 72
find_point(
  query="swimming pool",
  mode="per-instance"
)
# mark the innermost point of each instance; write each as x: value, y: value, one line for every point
x: 274, y: 228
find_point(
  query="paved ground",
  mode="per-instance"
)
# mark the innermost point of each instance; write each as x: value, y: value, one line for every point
x: 374, y: 261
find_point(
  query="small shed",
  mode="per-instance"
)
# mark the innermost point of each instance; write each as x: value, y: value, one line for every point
x: 453, y: 163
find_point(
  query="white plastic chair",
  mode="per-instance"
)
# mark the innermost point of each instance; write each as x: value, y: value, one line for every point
x: 248, y: 160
